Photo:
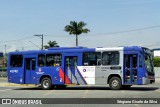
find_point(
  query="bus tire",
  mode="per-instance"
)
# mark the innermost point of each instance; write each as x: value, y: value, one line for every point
x: 46, y: 83
x: 115, y: 83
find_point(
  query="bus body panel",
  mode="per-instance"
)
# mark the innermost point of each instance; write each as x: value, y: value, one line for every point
x: 70, y: 61
x: 73, y: 71
x: 16, y: 74
x: 103, y: 71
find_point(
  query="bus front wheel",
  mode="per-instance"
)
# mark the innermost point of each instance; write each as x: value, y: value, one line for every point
x: 46, y: 83
x: 115, y: 83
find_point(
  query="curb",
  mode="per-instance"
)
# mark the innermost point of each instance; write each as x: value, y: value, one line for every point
x: 3, y: 78
x: 18, y: 85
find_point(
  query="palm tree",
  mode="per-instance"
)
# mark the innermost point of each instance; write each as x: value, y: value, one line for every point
x: 76, y: 29
x: 51, y: 44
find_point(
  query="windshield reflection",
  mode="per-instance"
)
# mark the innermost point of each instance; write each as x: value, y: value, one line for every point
x: 148, y: 61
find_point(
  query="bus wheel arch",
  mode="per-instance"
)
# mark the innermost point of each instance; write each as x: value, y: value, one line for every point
x: 114, y: 81
x: 46, y: 82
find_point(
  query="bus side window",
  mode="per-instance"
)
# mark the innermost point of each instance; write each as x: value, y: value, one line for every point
x: 53, y: 60
x: 92, y: 59
x: 127, y: 61
x: 16, y: 61
x: 134, y: 61
x: 33, y: 64
x: 41, y: 60
x: 110, y: 58
x: 140, y: 61
x: 27, y: 64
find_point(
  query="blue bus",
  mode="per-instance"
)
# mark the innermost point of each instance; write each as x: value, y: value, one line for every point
x: 120, y: 67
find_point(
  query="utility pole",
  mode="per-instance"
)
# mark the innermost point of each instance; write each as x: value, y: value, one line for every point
x: 40, y: 36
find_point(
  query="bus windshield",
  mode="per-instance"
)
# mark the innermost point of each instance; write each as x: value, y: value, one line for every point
x: 148, y: 61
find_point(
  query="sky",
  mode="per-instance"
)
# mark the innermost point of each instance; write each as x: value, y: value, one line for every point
x: 111, y: 22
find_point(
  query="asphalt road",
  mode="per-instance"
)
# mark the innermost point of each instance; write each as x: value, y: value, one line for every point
x: 143, y: 91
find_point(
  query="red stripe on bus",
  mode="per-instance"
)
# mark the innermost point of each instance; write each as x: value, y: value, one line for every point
x: 61, y: 74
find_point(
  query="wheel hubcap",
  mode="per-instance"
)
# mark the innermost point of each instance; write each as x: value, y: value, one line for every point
x: 115, y: 83
x: 45, y: 83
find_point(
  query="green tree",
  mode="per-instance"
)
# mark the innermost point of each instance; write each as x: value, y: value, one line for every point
x: 156, y: 61
x: 76, y: 28
x: 51, y: 44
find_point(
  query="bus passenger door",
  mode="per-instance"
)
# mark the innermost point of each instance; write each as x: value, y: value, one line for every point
x: 130, y: 68
x: 70, y: 69
x: 30, y: 66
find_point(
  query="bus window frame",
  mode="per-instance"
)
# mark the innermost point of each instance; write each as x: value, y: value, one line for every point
x: 53, y: 54
x: 11, y: 65
x: 96, y: 59
x: 109, y: 52
x: 43, y: 61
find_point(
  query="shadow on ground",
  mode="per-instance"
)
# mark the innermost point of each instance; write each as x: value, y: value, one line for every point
x: 93, y: 88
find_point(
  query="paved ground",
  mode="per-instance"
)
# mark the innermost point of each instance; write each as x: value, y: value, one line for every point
x: 31, y: 91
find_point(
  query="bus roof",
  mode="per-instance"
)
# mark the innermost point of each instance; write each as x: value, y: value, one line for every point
x: 56, y: 50
x: 125, y: 48
x: 78, y: 49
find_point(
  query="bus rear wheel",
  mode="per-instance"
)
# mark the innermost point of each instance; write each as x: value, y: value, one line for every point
x: 46, y: 83
x: 115, y: 83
